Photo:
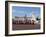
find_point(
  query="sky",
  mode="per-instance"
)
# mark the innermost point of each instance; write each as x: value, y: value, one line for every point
x: 21, y: 11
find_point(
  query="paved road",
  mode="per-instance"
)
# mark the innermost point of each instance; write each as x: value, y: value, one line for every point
x: 25, y: 27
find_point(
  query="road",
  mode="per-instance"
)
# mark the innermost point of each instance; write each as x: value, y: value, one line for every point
x: 25, y: 26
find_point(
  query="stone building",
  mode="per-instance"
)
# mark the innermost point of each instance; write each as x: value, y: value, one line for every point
x: 24, y: 19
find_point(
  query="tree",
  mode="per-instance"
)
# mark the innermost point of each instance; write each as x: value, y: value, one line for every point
x: 37, y: 18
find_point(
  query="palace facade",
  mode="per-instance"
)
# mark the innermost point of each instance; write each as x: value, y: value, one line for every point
x: 24, y: 19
